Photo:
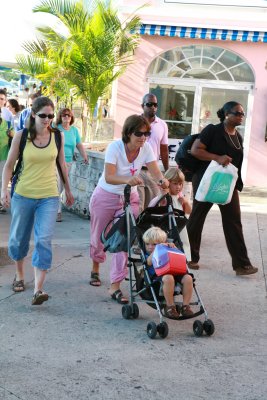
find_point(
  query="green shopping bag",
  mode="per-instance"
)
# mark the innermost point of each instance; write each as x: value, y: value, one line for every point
x: 217, y: 184
x: 219, y: 189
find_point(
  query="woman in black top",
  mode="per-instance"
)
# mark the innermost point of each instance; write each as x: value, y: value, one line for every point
x: 224, y: 144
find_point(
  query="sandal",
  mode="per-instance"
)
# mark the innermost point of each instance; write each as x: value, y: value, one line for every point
x: 171, y: 312
x: 39, y: 298
x: 95, y: 281
x: 18, y: 286
x: 119, y: 298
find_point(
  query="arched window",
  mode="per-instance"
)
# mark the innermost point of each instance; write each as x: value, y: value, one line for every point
x: 201, y: 62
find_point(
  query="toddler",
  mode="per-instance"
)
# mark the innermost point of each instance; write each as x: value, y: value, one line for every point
x: 151, y: 238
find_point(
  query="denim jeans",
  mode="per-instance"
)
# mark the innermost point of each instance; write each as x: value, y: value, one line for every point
x: 26, y: 214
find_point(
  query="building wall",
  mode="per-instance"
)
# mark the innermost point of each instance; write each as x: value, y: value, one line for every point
x: 133, y: 85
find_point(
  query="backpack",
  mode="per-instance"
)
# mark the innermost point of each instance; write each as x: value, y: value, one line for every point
x: 114, y: 236
x: 187, y: 163
x: 22, y: 144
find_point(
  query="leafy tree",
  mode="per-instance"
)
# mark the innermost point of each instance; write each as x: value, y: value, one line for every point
x: 90, y: 50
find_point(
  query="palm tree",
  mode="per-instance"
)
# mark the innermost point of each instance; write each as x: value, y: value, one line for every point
x: 91, y: 49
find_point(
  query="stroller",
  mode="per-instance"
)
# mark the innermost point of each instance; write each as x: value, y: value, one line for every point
x: 142, y: 287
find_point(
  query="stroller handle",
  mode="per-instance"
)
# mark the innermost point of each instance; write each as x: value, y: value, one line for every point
x: 127, y: 194
x: 166, y: 197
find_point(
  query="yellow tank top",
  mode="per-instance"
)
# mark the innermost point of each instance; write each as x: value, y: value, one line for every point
x: 38, y: 179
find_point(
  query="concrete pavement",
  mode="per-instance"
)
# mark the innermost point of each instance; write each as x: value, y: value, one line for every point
x: 77, y: 345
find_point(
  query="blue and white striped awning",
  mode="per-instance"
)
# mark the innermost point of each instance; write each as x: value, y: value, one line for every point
x: 203, y: 33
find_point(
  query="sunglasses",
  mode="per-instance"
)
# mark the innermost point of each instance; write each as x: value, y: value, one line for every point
x: 140, y: 134
x: 237, y: 113
x: 66, y: 115
x: 43, y: 116
x: 151, y: 104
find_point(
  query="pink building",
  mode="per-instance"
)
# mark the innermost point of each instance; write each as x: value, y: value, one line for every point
x: 195, y: 57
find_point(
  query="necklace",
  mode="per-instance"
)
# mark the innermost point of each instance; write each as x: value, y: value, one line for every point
x: 131, y: 159
x: 238, y: 146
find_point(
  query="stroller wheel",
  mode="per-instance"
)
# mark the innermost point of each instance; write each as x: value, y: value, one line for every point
x: 126, y: 311
x: 151, y: 330
x: 209, y: 327
x: 198, y: 328
x: 135, y: 313
x: 163, y: 329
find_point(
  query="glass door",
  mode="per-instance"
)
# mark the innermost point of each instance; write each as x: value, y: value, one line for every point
x: 188, y: 109
x: 212, y: 99
x: 176, y: 108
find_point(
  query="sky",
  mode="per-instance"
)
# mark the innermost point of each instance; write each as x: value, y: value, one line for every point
x: 18, y: 24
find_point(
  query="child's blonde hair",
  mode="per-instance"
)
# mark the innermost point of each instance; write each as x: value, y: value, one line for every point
x: 154, y: 235
x: 174, y: 174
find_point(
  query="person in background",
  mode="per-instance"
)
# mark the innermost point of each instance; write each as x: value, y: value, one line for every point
x: 123, y: 161
x: 72, y: 140
x: 25, y: 114
x: 34, y: 202
x: 5, y: 113
x: 5, y: 135
x: 14, y: 108
x: 158, y: 140
x: 224, y: 144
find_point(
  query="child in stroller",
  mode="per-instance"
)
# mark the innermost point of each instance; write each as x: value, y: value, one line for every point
x: 151, y: 238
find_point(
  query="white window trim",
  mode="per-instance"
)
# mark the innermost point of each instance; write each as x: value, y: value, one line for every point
x: 233, y: 3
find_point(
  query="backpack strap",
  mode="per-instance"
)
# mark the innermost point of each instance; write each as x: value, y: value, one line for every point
x: 58, y: 140
x: 22, y: 145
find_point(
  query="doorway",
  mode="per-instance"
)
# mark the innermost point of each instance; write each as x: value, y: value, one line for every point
x: 192, y: 82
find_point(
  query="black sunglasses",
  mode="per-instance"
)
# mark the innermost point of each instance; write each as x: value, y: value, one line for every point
x: 237, y: 113
x: 66, y: 115
x: 43, y: 116
x: 151, y: 104
x: 140, y: 134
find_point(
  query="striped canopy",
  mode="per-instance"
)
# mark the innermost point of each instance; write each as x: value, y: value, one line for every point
x: 203, y: 33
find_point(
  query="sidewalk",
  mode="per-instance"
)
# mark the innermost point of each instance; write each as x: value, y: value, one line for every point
x: 78, y: 346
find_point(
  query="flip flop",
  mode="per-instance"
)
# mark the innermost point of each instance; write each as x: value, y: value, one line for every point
x: 119, y: 298
x: 95, y: 281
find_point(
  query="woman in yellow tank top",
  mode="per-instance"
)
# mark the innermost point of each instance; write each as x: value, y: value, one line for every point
x: 35, y: 200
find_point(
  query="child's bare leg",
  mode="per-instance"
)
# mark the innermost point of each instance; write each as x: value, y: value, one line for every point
x: 168, y: 289
x: 187, y: 283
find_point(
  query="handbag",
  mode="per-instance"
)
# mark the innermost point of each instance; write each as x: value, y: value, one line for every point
x: 217, y: 184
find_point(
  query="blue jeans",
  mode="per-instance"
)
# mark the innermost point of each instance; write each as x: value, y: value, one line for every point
x: 26, y: 214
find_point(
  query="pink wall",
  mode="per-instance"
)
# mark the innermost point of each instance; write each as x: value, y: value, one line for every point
x: 132, y: 86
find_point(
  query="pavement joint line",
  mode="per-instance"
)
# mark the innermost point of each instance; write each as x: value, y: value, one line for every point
x: 7, y: 297
x: 6, y: 390
x: 32, y: 281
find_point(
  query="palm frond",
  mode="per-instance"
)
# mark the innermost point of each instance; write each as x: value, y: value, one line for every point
x: 31, y: 65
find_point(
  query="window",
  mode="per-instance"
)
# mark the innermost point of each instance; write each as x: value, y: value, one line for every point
x: 201, y: 62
